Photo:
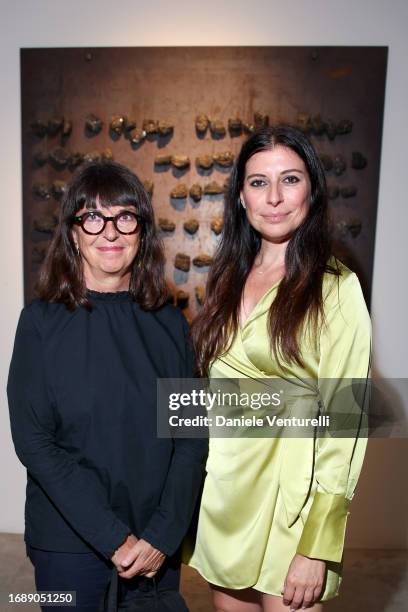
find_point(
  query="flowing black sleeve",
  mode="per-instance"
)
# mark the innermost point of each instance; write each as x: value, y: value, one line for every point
x: 71, y: 487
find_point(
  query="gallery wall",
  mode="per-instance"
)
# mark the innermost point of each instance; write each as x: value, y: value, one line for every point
x: 46, y: 23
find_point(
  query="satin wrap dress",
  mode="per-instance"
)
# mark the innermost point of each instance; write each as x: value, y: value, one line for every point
x: 266, y: 499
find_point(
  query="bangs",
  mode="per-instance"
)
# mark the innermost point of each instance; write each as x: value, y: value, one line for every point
x: 106, y: 200
x: 107, y: 189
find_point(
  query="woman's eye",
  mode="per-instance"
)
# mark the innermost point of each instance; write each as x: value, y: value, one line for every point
x: 126, y: 216
x: 93, y: 217
x: 257, y: 183
x: 291, y: 179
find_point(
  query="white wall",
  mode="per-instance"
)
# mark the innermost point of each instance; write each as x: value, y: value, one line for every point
x: 53, y: 23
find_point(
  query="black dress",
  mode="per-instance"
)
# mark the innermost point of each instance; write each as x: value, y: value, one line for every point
x: 82, y: 397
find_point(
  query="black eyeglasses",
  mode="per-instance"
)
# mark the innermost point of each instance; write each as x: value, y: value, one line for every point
x: 94, y: 222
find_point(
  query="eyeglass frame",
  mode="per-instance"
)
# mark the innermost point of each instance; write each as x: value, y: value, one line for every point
x: 79, y: 221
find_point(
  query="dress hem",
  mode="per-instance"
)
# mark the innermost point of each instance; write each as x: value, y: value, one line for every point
x: 254, y: 586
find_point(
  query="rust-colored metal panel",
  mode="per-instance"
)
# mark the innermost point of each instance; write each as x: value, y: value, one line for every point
x: 289, y: 84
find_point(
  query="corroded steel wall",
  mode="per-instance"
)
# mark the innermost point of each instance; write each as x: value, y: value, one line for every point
x: 327, y: 90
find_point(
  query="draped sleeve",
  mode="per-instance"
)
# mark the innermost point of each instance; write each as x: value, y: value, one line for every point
x: 343, y: 374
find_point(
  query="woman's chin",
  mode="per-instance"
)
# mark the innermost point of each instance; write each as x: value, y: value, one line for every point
x: 113, y: 269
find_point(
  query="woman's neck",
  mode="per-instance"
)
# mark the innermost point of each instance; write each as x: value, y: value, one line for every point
x: 271, y: 255
x: 108, y: 283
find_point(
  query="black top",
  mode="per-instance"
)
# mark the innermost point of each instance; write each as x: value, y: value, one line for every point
x: 82, y: 397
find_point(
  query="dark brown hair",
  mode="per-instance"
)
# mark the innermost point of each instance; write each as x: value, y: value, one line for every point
x: 299, y: 296
x: 111, y: 184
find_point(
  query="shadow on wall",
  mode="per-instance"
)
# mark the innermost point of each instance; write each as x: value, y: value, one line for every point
x: 373, y: 581
x: 379, y: 511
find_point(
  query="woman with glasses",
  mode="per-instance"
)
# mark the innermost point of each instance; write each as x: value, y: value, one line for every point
x: 103, y: 490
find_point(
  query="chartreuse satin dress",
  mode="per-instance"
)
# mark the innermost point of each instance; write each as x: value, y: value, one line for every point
x: 266, y: 499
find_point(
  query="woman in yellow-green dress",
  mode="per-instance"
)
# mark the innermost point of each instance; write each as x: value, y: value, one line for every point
x: 273, y: 513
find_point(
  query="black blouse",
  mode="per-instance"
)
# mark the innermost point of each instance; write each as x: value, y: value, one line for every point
x: 82, y: 397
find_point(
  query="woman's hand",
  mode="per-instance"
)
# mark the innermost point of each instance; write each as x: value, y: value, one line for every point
x: 123, y: 550
x: 303, y: 582
x: 142, y: 560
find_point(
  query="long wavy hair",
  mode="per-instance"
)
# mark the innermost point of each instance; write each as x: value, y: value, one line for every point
x: 299, y: 296
x: 111, y: 184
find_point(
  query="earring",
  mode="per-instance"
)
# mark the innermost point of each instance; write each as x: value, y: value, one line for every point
x: 242, y: 203
x: 77, y: 249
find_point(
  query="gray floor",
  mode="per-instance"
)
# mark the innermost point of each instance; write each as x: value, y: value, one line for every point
x: 374, y: 581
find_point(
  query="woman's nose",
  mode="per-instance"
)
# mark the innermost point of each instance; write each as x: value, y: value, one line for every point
x: 274, y: 194
x: 110, y: 231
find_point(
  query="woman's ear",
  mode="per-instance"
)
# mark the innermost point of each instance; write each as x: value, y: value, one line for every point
x: 74, y: 241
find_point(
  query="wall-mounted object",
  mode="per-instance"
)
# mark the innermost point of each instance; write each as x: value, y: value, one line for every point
x: 166, y: 225
x: 136, y: 136
x: 38, y: 253
x: 117, y: 125
x: 217, y: 225
x: 58, y: 188
x: 66, y: 129
x: 180, y: 161
x: 164, y: 128
x: 248, y: 127
x: 130, y: 125
x: 149, y: 186
x: 204, y: 161
x: 54, y: 126
x: 345, y: 126
x: 349, y: 191
x: 162, y: 160
x: 150, y: 126
x: 107, y: 154
x: 59, y: 158
x: 39, y: 127
x: 41, y: 191
x: 327, y: 162
x: 213, y: 188
x: 75, y: 160
x: 339, y: 165
x: 93, y: 125
x: 317, y: 125
x: 333, y: 192
x: 191, y: 226
x: 179, y: 192
x: 45, y: 223
x: 182, y: 262
x: 235, y: 126
x: 201, y: 124
x: 203, y: 260
x: 196, y: 192
x: 358, y: 161
x: 260, y: 120
x: 40, y: 158
x: 200, y: 294
x: 91, y: 156
x: 217, y: 128
x: 224, y: 159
